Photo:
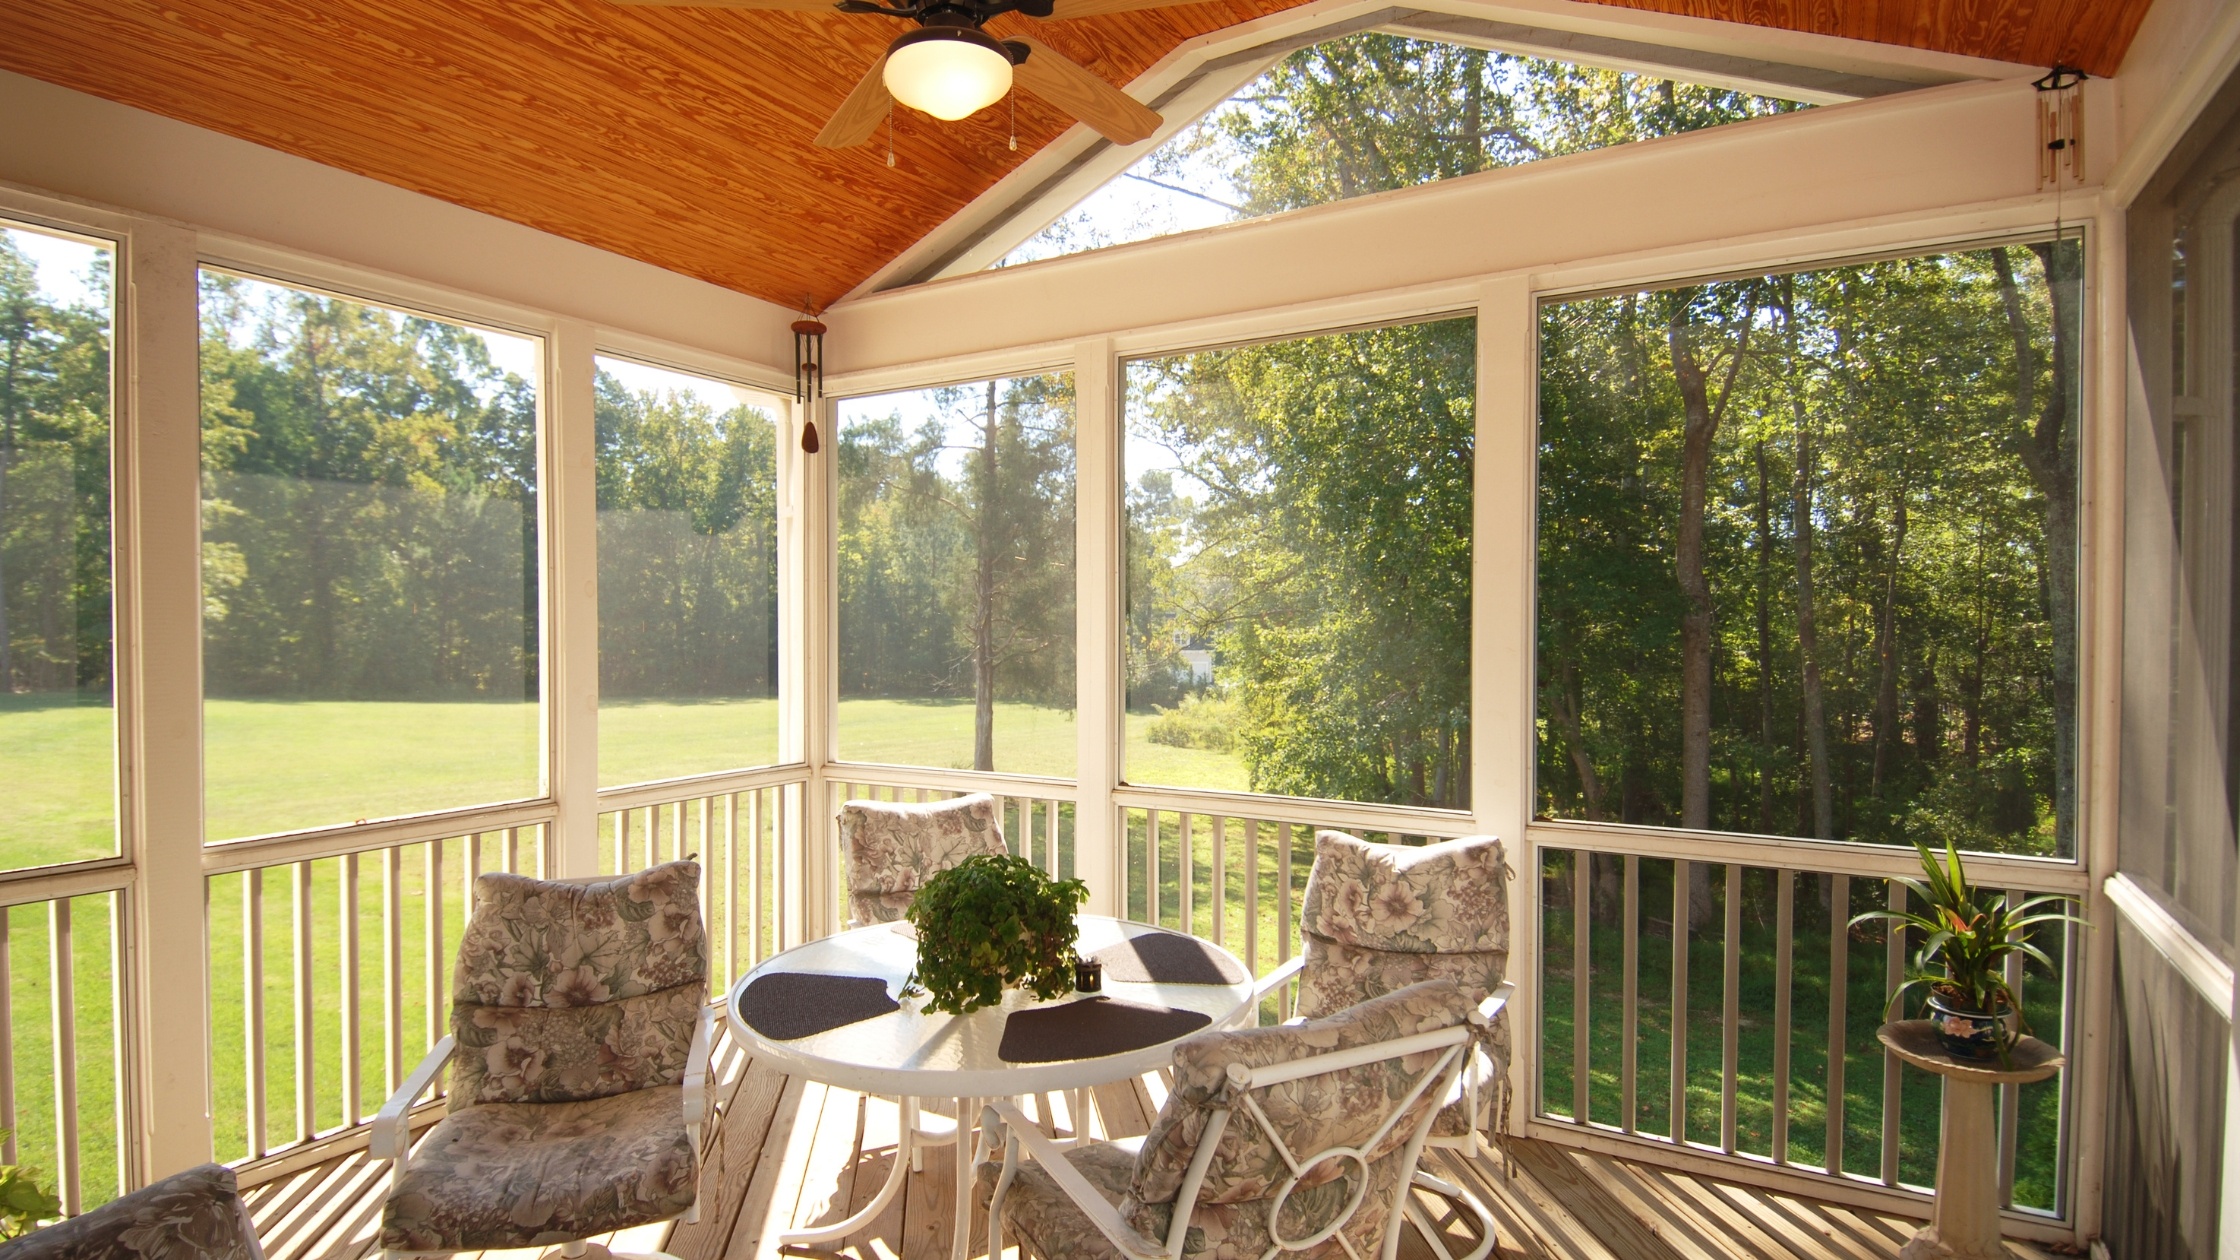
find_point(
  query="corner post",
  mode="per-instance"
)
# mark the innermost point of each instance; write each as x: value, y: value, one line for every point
x: 571, y: 573
x: 1100, y: 673
x: 158, y: 533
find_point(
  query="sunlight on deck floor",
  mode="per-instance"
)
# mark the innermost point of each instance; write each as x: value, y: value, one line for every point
x: 788, y: 1153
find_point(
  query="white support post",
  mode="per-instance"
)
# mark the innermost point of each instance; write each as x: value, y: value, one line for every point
x: 1100, y: 676
x: 571, y: 576
x: 811, y: 601
x: 1501, y: 637
x: 158, y: 536
x: 2106, y: 323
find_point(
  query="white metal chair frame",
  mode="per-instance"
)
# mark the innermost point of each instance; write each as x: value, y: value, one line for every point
x: 1002, y: 1120
x: 391, y: 1138
x: 1469, y: 1144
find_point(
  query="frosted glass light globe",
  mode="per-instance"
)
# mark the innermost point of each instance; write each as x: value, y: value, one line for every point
x: 948, y: 72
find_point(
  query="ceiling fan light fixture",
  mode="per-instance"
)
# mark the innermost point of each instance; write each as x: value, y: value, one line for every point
x: 950, y: 72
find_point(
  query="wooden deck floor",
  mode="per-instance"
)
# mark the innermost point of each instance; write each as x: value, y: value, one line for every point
x: 788, y: 1153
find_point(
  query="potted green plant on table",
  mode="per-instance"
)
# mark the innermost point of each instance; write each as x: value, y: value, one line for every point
x: 1967, y: 938
x: 992, y: 922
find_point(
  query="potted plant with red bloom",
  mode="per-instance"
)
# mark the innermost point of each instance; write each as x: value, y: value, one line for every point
x: 1967, y: 938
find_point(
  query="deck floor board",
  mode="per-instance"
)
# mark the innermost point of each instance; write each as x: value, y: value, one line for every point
x: 782, y: 1153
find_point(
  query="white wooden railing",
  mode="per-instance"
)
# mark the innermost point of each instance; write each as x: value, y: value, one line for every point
x: 64, y: 1101
x: 1631, y: 1084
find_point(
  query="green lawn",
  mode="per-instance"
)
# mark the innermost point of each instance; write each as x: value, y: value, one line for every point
x: 281, y: 765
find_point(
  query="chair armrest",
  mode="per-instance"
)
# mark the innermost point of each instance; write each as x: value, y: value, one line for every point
x: 1077, y: 1188
x: 1284, y: 973
x: 1496, y: 1001
x: 696, y: 1067
x: 390, y: 1137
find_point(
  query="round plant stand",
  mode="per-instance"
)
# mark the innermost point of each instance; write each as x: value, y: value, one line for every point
x: 1965, y: 1224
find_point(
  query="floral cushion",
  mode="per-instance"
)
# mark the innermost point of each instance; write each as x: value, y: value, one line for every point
x: 892, y: 848
x: 534, y: 1174
x: 194, y: 1215
x: 1445, y: 898
x: 1380, y: 917
x: 534, y: 942
x: 565, y: 1054
x: 1040, y: 1214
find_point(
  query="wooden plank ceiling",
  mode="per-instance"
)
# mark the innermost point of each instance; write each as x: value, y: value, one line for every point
x: 682, y: 137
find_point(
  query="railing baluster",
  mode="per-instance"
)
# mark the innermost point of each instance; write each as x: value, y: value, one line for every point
x: 392, y: 967
x: 731, y: 889
x: 252, y: 1005
x: 676, y: 834
x: 62, y: 972
x: 622, y: 842
x: 307, y: 1029
x: 1839, y: 986
x: 352, y: 1030
x: 1283, y: 893
x: 1186, y: 870
x: 1050, y: 834
x: 653, y: 834
x: 1151, y: 866
x: 1582, y: 965
x: 470, y: 870
x: 432, y: 958
x: 7, y: 1037
x: 2010, y: 1096
x: 754, y: 878
x: 1252, y: 895
x: 1680, y: 878
x: 1730, y: 1014
x: 1628, y: 1052
x: 1893, y: 1069
x: 1025, y: 809
x: 1220, y: 888
x: 1784, y: 970
x: 513, y: 851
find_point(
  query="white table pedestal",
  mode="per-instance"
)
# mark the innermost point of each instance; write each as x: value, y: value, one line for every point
x: 1965, y: 1224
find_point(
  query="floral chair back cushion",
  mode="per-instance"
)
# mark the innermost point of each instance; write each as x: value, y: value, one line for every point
x: 193, y: 1215
x: 569, y: 991
x: 1380, y: 917
x: 893, y: 848
x: 1336, y: 1109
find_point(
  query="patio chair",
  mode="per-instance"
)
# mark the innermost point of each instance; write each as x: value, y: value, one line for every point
x: 892, y: 848
x: 1378, y: 917
x: 194, y: 1215
x: 1299, y: 1138
x: 579, y: 1062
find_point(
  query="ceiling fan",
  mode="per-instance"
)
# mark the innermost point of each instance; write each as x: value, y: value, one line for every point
x: 948, y: 67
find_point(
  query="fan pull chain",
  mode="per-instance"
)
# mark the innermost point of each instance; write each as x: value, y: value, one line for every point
x: 1013, y: 98
x: 890, y: 137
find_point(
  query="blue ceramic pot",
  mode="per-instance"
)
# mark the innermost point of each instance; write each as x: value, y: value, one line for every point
x: 1968, y: 1033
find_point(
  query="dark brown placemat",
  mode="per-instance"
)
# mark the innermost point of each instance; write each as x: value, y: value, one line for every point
x: 788, y: 1004
x: 1092, y: 1028
x: 1168, y: 958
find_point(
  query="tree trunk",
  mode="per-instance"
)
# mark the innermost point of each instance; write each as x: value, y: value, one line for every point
x: 1886, y: 651
x: 2048, y: 446
x: 1765, y: 645
x: 1808, y: 639
x: 984, y: 600
x: 1701, y: 425
x: 1565, y: 703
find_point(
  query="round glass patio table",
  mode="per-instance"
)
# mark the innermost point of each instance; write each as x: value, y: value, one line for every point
x: 912, y: 1053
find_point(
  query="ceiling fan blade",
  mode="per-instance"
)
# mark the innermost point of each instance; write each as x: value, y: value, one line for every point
x: 858, y: 117
x: 1050, y: 75
x: 796, y: 6
x: 1098, y: 8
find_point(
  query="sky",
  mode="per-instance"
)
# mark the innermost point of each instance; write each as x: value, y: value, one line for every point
x: 60, y: 263
x: 718, y: 395
x: 917, y: 406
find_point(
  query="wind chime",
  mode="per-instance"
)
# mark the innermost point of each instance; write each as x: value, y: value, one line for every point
x: 2060, y: 125
x: 808, y: 372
